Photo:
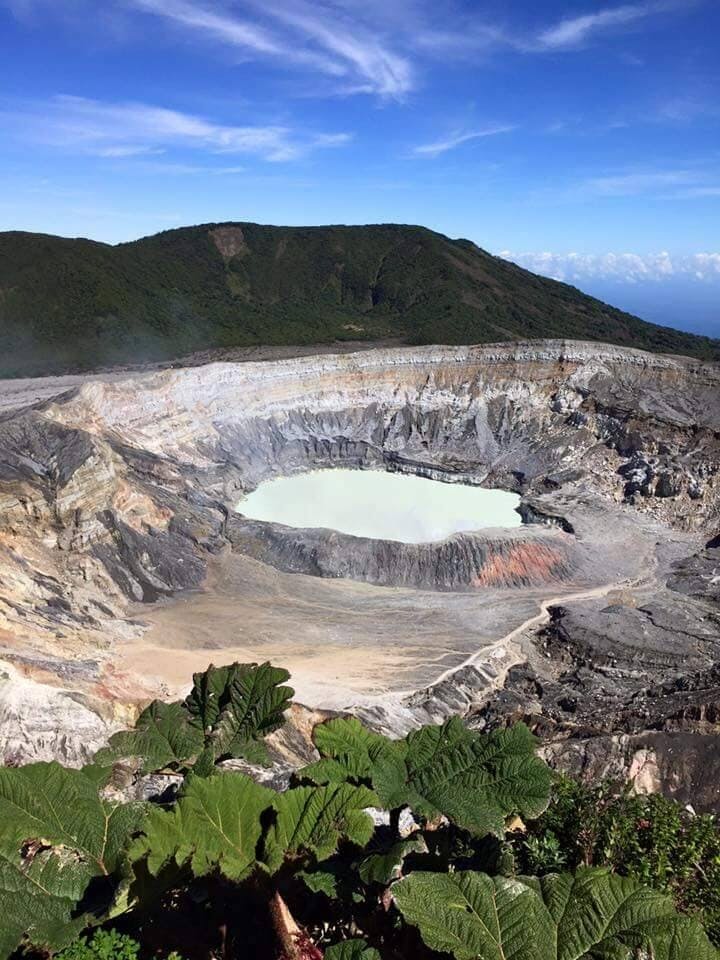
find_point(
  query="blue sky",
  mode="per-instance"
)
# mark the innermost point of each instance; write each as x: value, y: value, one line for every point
x: 540, y: 130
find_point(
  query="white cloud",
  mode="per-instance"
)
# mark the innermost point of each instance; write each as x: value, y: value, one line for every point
x: 637, y: 182
x: 574, y: 31
x: 476, y: 37
x: 377, y: 69
x: 621, y: 267
x: 120, y: 130
x: 318, y: 35
x: 363, y: 46
x: 442, y: 146
x: 226, y: 28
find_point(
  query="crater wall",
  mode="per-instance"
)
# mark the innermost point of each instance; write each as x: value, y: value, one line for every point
x: 118, y: 497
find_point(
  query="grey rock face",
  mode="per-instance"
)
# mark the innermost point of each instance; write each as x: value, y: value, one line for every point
x: 462, y: 562
x: 622, y: 690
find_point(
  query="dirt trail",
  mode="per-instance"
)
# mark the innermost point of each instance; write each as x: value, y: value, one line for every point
x: 515, y: 654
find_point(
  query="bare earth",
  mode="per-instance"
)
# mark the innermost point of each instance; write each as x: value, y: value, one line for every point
x: 344, y: 643
x: 125, y: 488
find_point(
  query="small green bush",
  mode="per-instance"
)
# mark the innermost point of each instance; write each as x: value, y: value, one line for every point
x: 106, y: 945
x: 651, y: 838
x: 103, y: 945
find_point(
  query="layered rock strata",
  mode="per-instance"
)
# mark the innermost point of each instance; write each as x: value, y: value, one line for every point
x: 124, y: 492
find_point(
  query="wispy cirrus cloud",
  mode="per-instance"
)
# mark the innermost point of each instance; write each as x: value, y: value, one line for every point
x: 575, y: 31
x: 372, y: 65
x: 250, y: 37
x: 567, y: 34
x: 623, y: 267
x: 332, y: 39
x: 438, y: 147
x: 364, y: 46
x: 634, y: 182
x: 125, y: 130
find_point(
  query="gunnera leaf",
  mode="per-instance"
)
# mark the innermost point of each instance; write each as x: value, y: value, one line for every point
x: 209, y: 695
x: 589, y: 915
x: 216, y: 825
x: 476, y: 780
x: 315, y: 819
x: 56, y: 836
x: 351, y: 950
x: 252, y: 706
x: 227, y: 713
x: 350, y: 753
x: 387, y: 865
x: 163, y: 737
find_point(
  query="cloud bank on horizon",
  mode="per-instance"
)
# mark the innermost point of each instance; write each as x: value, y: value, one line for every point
x: 621, y: 267
x: 586, y: 125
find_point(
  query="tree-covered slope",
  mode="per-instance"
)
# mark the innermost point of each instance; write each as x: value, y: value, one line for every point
x: 76, y: 304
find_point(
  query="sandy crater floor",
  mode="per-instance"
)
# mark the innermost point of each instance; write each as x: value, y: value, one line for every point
x: 343, y: 642
x: 347, y: 643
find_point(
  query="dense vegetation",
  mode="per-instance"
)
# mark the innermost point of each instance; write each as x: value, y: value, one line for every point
x: 76, y: 304
x: 215, y: 864
x: 649, y: 837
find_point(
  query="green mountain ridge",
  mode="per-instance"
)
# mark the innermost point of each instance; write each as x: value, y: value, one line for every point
x: 75, y: 304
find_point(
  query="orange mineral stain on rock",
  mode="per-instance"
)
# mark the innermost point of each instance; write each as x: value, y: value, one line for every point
x: 523, y: 564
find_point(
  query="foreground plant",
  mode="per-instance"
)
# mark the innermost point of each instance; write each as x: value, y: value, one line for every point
x: 475, y: 780
x: 381, y: 850
x: 226, y: 714
x: 63, y: 852
x: 592, y: 914
x: 652, y: 838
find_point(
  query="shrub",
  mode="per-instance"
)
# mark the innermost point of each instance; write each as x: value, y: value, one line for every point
x: 651, y: 838
x: 381, y: 850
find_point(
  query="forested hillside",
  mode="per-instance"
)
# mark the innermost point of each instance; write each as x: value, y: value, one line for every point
x: 76, y: 304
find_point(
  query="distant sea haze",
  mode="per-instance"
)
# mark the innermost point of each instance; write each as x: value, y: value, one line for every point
x: 680, y: 291
x: 686, y: 304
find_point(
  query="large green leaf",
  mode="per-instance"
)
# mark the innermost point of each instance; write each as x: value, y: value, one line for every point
x: 351, y: 950
x: 37, y: 902
x: 226, y: 714
x: 599, y: 913
x: 476, y: 780
x: 347, y: 749
x: 587, y: 916
x: 56, y: 836
x: 386, y: 865
x: 230, y: 824
x: 253, y: 705
x: 315, y: 819
x: 208, y: 696
x: 163, y: 737
x: 216, y: 825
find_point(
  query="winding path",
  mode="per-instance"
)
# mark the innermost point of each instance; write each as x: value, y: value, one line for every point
x: 539, y: 619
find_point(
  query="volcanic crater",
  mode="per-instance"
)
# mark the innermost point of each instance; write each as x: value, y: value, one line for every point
x: 126, y: 561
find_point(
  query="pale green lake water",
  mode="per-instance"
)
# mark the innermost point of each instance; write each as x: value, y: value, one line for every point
x: 384, y: 506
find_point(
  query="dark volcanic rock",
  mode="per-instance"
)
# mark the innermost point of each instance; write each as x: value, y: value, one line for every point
x: 625, y: 691
x: 462, y: 562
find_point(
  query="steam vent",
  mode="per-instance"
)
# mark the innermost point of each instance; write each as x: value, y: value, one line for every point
x: 126, y: 561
